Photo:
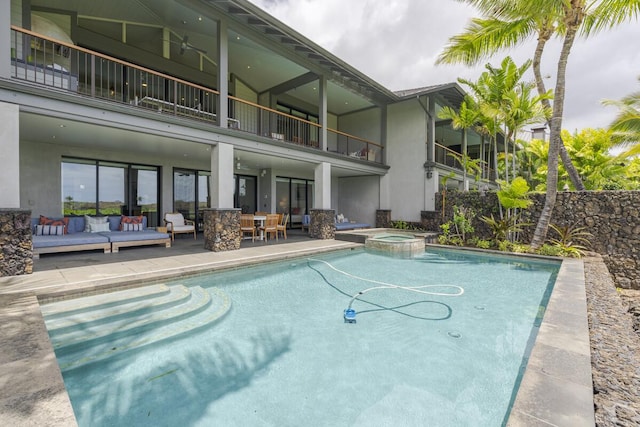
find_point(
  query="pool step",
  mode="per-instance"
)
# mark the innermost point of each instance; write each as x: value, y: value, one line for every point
x: 102, y: 314
x: 111, y: 330
x: 79, y: 305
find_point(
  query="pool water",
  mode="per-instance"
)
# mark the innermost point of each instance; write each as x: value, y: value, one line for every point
x: 283, y: 355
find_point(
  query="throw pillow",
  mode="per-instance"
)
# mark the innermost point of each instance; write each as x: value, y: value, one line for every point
x: 130, y: 220
x: 340, y: 218
x: 50, y: 221
x: 99, y: 227
x: 131, y: 227
x: 49, y: 230
x: 92, y: 220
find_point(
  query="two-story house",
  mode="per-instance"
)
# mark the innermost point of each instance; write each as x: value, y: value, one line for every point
x: 153, y: 106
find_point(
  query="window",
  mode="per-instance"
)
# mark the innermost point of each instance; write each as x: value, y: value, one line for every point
x: 94, y: 187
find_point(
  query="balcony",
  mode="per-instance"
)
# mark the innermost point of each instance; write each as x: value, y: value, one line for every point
x: 62, y: 66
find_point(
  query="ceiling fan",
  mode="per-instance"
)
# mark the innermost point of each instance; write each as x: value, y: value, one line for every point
x: 185, y: 45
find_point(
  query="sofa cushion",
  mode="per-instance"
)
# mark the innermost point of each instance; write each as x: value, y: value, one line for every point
x: 129, y: 236
x: 68, y: 240
x: 176, y: 219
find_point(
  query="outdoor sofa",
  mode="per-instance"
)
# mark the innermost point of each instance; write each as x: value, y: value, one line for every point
x: 68, y: 234
x: 341, y: 223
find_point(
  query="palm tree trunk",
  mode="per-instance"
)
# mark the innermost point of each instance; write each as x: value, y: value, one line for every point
x: 540, y: 234
x: 543, y: 36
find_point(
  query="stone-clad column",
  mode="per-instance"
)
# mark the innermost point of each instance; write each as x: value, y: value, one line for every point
x: 323, y: 224
x: 222, y: 229
x: 16, y: 250
x: 383, y: 218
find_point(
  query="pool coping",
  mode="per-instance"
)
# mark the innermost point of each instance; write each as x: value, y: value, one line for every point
x: 556, y: 388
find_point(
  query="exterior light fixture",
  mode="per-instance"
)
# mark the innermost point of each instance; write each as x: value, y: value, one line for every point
x: 428, y: 168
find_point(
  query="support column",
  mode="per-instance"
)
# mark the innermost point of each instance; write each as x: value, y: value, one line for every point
x: 323, y: 224
x: 322, y: 111
x: 222, y: 220
x: 385, y: 191
x: 10, y: 149
x: 222, y: 183
x: 431, y: 189
x: 16, y: 253
x: 223, y: 74
x: 222, y: 229
x: 383, y: 218
x: 322, y: 187
x: 5, y: 41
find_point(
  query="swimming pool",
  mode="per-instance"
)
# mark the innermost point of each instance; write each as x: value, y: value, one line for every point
x: 284, y: 356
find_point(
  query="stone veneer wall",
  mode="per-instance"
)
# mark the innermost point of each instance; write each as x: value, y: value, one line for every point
x: 383, y: 218
x: 323, y: 224
x: 612, y: 217
x: 16, y: 249
x: 222, y: 229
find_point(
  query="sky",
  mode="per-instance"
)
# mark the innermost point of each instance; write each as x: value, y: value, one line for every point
x: 397, y: 42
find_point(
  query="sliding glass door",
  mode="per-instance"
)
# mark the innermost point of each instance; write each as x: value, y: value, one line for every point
x: 191, y: 193
x: 295, y: 197
x: 245, y: 193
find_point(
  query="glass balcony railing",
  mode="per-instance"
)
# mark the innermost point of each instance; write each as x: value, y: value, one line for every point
x: 66, y: 67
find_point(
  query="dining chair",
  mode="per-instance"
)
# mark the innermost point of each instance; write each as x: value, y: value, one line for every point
x: 282, y: 225
x: 247, y: 226
x: 270, y: 226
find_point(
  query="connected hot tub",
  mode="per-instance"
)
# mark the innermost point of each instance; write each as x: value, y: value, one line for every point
x: 400, y: 243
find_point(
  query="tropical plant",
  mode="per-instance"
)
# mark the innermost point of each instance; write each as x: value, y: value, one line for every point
x: 508, y: 23
x: 571, y: 240
x: 513, y: 197
x: 458, y: 230
x: 591, y: 151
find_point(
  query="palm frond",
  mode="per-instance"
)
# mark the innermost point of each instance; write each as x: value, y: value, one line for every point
x: 482, y: 38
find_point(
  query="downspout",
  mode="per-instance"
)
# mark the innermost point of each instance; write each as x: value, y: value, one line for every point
x: 429, y: 163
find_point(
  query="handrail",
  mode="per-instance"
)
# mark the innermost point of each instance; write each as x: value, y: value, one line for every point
x: 456, y: 162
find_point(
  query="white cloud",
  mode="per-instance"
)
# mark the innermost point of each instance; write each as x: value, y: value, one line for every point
x: 396, y: 43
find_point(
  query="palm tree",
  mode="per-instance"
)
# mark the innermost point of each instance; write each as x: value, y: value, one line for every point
x: 510, y: 22
x: 494, y: 91
x: 522, y: 109
x: 626, y: 125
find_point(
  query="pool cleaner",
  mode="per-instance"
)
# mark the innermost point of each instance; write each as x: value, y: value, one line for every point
x: 350, y: 313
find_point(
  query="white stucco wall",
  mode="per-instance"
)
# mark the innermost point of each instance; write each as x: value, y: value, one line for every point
x: 359, y: 198
x: 406, y: 154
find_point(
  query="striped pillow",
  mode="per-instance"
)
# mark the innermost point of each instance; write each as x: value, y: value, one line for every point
x: 131, y: 227
x: 124, y: 219
x: 49, y: 230
x: 49, y: 221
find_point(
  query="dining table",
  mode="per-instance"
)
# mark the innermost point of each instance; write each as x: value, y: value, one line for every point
x: 261, y: 219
